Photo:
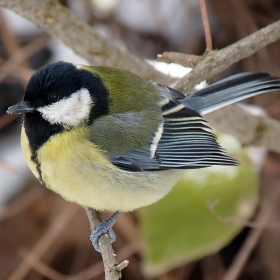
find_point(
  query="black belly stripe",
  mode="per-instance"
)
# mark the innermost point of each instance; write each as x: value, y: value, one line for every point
x: 34, y: 158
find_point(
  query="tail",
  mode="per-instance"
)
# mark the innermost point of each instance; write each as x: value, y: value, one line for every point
x: 230, y: 90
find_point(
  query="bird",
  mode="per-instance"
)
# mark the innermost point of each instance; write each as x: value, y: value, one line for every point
x: 110, y: 140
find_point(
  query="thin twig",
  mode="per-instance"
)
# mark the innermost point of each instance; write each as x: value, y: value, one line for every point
x: 106, y: 249
x: 119, y: 267
x: 98, y: 268
x: 207, y: 30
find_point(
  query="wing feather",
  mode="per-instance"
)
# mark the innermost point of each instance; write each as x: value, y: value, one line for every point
x: 185, y: 141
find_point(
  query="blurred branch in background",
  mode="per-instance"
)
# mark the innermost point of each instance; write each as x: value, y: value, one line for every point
x: 45, y: 242
x: 12, y: 47
x: 13, y: 65
x: 60, y: 23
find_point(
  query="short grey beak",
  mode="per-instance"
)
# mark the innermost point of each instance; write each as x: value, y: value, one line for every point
x: 20, y: 108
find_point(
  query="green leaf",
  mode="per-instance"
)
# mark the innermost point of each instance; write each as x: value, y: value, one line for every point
x: 181, y: 227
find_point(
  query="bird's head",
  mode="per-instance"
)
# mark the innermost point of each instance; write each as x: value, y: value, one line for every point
x: 64, y: 94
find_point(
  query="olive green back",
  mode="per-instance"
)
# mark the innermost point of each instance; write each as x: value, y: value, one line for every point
x: 128, y: 92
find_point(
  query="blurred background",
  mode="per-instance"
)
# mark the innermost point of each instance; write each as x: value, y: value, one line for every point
x: 218, y: 223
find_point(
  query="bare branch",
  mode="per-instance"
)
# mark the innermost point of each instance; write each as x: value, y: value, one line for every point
x: 60, y: 23
x: 216, y: 61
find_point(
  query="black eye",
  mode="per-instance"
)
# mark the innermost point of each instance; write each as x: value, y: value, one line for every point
x: 53, y: 98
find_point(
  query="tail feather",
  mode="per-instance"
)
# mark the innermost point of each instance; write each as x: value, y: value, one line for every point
x: 230, y: 90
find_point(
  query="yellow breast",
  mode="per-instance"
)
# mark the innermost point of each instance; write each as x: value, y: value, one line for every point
x: 26, y: 151
x: 76, y: 168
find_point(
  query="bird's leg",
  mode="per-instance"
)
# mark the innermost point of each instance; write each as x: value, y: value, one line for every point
x: 103, y: 227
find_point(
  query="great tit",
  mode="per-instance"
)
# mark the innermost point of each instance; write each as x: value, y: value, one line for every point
x: 107, y: 139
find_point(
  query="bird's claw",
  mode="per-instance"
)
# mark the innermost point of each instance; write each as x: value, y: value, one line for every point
x: 102, y: 228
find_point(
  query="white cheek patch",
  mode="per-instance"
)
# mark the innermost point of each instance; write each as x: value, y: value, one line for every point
x: 69, y: 111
